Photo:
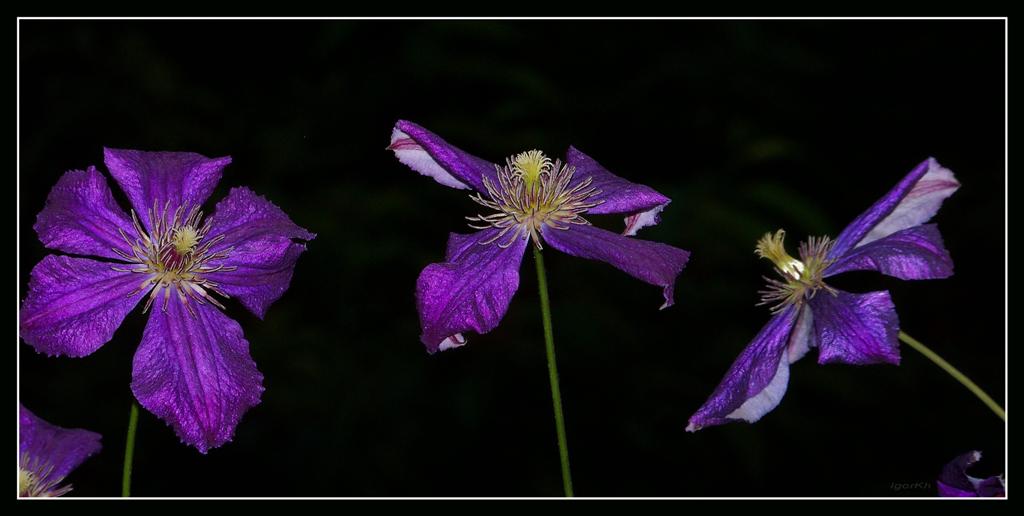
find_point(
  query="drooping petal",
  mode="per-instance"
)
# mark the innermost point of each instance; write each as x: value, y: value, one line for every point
x: 856, y: 328
x: 177, y: 178
x: 52, y: 451
x: 913, y: 201
x: 262, y: 245
x: 652, y: 262
x: 470, y: 290
x: 428, y: 154
x: 911, y: 254
x: 74, y: 305
x: 757, y: 380
x: 955, y: 482
x: 195, y: 372
x: 82, y: 217
x: 642, y: 203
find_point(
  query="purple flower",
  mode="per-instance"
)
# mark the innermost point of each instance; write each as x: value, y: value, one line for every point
x: 954, y: 482
x: 890, y: 237
x: 193, y: 368
x: 48, y: 453
x: 532, y: 199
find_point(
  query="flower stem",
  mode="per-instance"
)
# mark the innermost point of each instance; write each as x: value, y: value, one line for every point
x: 129, y: 450
x: 556, y: 392
x: 956, y: 374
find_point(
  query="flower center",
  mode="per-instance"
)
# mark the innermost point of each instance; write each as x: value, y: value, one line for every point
x: 34, y: 479
x: 801, y: 279
x: 532, y: 192
x: 175, y: 256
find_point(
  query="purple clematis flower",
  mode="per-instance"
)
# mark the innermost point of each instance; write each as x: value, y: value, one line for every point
x: 48, y: 454
x: 533, y: 199
x: 890, y: 237
x: 193, y: 368
x: 955, y: 482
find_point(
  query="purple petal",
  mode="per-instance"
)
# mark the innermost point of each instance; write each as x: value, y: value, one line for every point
x: 74, y: 305
x: 913, y: 201
x: 757, y: 380
x: 260, y: 235
x: 856, y: 328
x: 955, y: 482
x: 911, y: 254
x: 178, y: 178
x: 470, y: 290
x: 49, y: 446
x: 642, y: 203
x: 428, y: 154
x: 652, y: 262
x: 81, y: 217
x: 195, y: 372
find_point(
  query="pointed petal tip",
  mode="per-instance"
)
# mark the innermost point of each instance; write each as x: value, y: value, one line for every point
x: 692, y: 427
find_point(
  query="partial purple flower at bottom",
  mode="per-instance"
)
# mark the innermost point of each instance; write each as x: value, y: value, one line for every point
x: 193, y: 367
x: 955, y: 482
x: 890, y: 237
x: 48, y: 453
x: 532, y: 199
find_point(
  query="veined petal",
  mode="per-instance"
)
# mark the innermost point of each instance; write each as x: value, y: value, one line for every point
x: 955, y: 482
x: 652, y: 262
x: 428, y: 154
x: 74, y: 305
x: 913, y: 201
x: 178, y: 178
x: 82, y: 217
x: 642, y: 203
x: 470, y: 290
x: 912, y: 254
x: 53, y: 451
x: 195, y: 372
x: 757, y: 380
x: 856, y: 328
x: 262, y: 245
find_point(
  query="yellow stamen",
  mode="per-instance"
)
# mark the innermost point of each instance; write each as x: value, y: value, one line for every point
x: 530, y: 165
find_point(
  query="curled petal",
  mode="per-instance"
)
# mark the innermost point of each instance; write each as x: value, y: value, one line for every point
x: 470, y: 290
x: 260, y: 241
x: 81, y: 217
x: 642, y: 203
x: 911, y: 254
x: 856, y: 328
x: 428, y: 154
x: 74, y: 305
x: 51, y: 451
x: 652, y: 262
x: 912, y: 202
x: 757, y: 380
x: 178, y: 178
x: 194, y: 372
x: 955, y: 482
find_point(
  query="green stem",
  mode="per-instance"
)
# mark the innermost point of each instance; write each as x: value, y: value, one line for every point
x: 956, y: 374
x: 129, y: 450
x: 556, y: 392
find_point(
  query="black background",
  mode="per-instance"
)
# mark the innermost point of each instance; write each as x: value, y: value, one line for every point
x: 747, y: 125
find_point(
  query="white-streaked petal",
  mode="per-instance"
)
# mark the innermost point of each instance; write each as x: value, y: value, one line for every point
x: 415, y: 157
x: 920, y: 205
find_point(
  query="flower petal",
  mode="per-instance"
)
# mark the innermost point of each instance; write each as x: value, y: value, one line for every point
x: 74, y: 305
x: 148, y: 178
x: 195, y: 372
x: 955, y: 482
x: 856, y: 328
x: 428, y: 154
x: 82, y: 217
x: 652, y: 262
x: 470, y: 290
x: 642, y: 203
x: 757, y: 380
x: 50, y: 446
x: 913, y: 201
x: 911, y: 254
x: 260, y: 236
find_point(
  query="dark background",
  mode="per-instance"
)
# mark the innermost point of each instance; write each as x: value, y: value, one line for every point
x: 747, y: 125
